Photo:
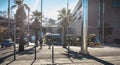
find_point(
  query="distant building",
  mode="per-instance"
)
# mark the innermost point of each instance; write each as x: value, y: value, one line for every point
x: 50, y: 26
x: 111, y: 19
x: 4, y: 23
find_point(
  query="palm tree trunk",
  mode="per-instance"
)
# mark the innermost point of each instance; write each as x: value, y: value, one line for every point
x: 65, y: 44
x: 21, y: 43
x: 36, y: 37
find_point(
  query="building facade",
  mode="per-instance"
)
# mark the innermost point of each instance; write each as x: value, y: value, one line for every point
x: 77, y: 15
x: 110, y: 22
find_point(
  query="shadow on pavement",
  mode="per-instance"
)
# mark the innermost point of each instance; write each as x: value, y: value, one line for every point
x: 10, y: 62
x: 3, y: 58
x: 79, y: 56
x: 33, y: 62
x: 28, y: 51
x: 88, y: 56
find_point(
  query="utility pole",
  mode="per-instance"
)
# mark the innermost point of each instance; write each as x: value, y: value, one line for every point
x: 15, y: 37
x: 67, y: 15
x: 9, y: 18
x: 84, y: 49
x: 41, y: 13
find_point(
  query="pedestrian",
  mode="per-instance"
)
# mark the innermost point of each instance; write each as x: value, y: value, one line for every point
x: 41, y: 42
x: 49, y: 43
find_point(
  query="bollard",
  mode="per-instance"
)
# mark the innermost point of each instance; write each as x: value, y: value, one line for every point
x: 14, y: 52
x: 35, y: 52
x: 52, y: 53
x: 68, y: 50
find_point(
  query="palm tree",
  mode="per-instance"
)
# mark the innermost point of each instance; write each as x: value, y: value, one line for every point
x: 51, y: 22
x: 65, y: 17
x: 20, y: 18
x: 37, y: 16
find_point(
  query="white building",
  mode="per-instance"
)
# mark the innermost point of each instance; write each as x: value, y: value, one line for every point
x: 75, y: 26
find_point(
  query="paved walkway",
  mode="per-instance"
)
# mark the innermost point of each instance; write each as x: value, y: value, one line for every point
x: 104, y: 55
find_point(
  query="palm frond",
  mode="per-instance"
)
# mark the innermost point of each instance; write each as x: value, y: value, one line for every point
x: 14, y: 6
x: 62, y: 13
x: 65, y: 16
x: 37, y: 14
x: 27, y: 7
x: 18, y: 2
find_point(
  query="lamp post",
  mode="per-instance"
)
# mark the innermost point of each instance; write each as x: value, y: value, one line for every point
x: 84, y: 49
x: 67, y: 15
x: 41, y: 13
x: 9, y: 18
x: 15, y: 37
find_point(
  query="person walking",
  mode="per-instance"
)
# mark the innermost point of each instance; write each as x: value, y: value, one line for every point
x: 49, y: 43
x: 41, y: 43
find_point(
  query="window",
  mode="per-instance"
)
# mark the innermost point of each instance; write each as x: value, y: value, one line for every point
x: 115, y: 3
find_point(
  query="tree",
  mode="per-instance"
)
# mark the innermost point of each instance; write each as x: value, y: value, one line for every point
x: 65, y: 17
x: 20, y: 19
x: 51, y: 22
x: 37, y: 16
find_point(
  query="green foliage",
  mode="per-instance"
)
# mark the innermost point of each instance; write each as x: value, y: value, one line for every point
x: 65, y: 16
x: 37, y: 15
x: 51, y: 21
x: 19, y: 3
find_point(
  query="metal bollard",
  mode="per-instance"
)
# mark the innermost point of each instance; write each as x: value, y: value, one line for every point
x: 52, y: 53
x: 15, y: 39
x: 68, y: 50
x: 35, y: 52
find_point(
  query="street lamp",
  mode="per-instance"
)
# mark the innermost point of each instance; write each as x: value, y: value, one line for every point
x: 67, y: 12
x: 41, y: 13
x: 9, y: 18
x: 15, y: 37
x: 84, y: 49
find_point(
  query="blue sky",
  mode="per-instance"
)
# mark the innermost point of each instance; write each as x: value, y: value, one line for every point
x: 50, y: 7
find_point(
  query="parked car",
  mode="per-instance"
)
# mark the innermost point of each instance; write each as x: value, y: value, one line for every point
x: 6, y: 43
